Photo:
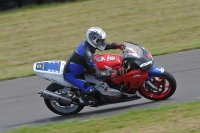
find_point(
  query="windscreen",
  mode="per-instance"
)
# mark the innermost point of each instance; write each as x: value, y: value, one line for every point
x: 132, y: 50
x: 137, y: 54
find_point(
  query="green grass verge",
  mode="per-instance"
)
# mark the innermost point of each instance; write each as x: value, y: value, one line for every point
x: 53, y: 31
x: 182, y: 118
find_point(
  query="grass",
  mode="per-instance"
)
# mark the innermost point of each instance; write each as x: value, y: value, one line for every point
x: 53, y: 31
x: 183, y: 118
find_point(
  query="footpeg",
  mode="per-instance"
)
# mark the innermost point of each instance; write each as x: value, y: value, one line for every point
x: 92, y: 103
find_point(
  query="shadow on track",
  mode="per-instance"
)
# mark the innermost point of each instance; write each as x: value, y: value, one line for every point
x: 86, y: 115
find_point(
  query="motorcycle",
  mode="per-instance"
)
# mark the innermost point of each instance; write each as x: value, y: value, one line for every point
x: 143, y: 79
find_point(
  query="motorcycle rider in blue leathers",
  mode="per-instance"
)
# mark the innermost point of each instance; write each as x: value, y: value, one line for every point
x: 82, y: 60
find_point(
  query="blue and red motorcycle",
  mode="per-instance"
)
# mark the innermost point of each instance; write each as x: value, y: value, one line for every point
x: 142, y: 79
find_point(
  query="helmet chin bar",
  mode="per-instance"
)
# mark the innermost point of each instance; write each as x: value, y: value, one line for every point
x: 101, y: 48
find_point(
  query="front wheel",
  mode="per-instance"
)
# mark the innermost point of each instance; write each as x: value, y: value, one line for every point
x: 166, y: 85
x: 57, y: 107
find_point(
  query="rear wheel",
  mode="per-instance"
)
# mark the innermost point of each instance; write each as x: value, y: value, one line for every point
x: 166, y: 85
x: 57, y: 107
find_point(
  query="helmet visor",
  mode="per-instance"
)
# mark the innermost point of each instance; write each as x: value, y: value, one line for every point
x: 101, y: 45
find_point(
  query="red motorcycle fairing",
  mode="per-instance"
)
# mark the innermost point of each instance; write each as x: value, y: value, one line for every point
x: 108, y: 61
x: 133, y: 79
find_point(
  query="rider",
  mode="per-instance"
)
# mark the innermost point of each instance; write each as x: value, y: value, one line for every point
x: 82, y: 59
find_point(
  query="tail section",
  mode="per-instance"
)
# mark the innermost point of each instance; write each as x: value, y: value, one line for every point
x: 52, y: 71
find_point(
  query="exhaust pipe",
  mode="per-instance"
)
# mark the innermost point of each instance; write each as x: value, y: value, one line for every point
x: 53, y: 96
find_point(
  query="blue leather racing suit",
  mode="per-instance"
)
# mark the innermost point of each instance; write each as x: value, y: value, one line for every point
x: 82, y: 60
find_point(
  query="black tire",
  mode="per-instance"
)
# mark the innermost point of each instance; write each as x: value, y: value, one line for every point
x: 156, y: 97
x: 49, y: 103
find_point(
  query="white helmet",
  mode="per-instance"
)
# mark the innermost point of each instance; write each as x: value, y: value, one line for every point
x: 96, y: 37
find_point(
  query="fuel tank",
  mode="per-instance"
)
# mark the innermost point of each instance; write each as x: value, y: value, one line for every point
x: 108, y: 61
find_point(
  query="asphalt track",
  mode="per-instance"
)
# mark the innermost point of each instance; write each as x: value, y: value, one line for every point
x: 21, y: 105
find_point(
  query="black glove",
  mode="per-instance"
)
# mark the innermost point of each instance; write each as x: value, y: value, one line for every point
x: 114, y: 45
x: 119, y: 72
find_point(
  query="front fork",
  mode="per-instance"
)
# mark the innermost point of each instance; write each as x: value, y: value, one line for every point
x: 154, y: 71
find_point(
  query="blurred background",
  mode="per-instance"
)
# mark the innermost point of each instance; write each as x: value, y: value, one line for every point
x: 38, y: 30
x: 11, y: 4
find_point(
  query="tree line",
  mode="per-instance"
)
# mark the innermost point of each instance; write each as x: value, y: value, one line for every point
x: 11, y: 4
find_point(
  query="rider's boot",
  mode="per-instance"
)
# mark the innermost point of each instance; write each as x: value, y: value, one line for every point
x: 88, y: 95
x: 90, y: 92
